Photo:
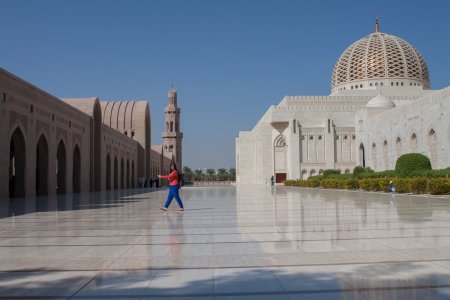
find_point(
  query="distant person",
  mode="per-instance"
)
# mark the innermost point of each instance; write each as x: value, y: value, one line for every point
x: 272, y: 181
x: 391, y: 187
x: 174, y: 186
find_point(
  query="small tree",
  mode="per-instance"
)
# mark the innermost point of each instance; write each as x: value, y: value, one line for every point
x: 222, y: 174
x: 198, y: 175
x: 233, y: 174
x: 188, y: 175
x: 211, y: 174
x: 411, y: 162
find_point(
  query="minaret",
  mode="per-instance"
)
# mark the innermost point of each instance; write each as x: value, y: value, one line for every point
x: 172, y: 136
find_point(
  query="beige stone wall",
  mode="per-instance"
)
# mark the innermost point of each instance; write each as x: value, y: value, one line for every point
x: 116, y: 147
x: 37, y: 114
x: 131, y: 118
x: 73, y: 145
x: 160, y: 163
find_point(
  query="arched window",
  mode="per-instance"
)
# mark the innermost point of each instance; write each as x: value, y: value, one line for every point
x: 374, y: 156
x: 108, y: 172
x: 304, y: 174
x: 127, y: 183
x: 398, y: 147
x: 362, y: 155
x: 122, y: 174
x: 432, y: 147
x: 116, y: 173
x: 17, y: 164
x: 414, y: 143
x: 76, y: 170
x: 61, y: 168
x: 42, y: 167
x: 171, y: 126
x: 386, y: 155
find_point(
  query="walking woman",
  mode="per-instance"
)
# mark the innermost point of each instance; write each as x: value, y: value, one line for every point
x: 174, y: 186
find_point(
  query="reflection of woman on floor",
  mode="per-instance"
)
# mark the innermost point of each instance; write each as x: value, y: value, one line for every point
x: 176, y: 236
x: 174, y: 186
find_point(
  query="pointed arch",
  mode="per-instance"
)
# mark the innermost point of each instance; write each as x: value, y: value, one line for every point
x: 280, y: 158
x: 280, y: 141
x: 386, y: 155
x: 304, y: 174
x: 76, y: 170
x: 17, y: 164
x: 61, y: 164
x: 414, y: 146
x: 116, y: 173
x: 362, y: 155
x: 108, y: 172
x: 432, y: 147
x: 42, y: 166
x: 374, y: 157
x: 128, y: 174
x: 398, y: 147
x: 132, y: 174
x: 122, y: 174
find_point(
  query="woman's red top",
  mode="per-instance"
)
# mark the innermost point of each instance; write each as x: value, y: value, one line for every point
x: 173, y: 178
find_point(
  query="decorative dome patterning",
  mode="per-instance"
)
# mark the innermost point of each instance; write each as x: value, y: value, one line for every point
x: 380, y: 56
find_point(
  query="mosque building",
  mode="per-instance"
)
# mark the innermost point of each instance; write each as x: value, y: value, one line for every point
x: 380, y: 107
x: 56, y: 146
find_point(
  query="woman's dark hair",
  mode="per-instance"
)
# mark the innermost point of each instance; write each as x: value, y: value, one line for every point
x: 174, y: 166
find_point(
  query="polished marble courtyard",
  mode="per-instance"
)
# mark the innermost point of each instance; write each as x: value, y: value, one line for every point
x: 244, y: 242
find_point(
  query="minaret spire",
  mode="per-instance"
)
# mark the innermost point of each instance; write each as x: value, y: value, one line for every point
x: 377, y: 26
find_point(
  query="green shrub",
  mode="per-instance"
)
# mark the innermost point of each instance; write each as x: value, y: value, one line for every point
x: 411, y: 162
x: 438, y: 186
x: 443, y: 173
x: 328, y: 172
x: 313, y: 183
x: 364, y: 184
x: 352, y: 184
x: 402, y: 185
x: 357, y: 170
x: 418, y: 185
x: 317, y: 177
x: 383, y: 183
x: 340, y: 176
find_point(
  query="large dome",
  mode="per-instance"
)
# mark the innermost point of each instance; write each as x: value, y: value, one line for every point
x: 380, y: 59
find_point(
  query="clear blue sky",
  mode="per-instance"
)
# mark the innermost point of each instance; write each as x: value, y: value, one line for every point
x: 229, y: 60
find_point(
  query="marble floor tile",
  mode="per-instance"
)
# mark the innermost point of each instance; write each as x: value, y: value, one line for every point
x: 231, y: 242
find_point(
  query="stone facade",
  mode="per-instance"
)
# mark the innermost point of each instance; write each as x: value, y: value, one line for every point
x: 374, y: 114
x: 90, y: 144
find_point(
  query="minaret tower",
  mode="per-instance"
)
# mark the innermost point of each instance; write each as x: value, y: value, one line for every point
x: 172, y: 136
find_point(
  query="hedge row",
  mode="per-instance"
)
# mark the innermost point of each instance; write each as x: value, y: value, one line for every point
x: 418, y: 185
x: 443, y: 173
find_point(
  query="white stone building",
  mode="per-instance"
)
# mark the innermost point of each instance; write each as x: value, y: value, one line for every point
x: 381, y: 106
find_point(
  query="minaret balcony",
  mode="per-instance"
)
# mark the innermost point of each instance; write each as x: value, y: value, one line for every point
x: 172, y: 135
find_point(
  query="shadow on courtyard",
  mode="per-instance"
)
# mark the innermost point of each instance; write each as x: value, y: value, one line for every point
x: 82, y: 201
x: 410, y: 281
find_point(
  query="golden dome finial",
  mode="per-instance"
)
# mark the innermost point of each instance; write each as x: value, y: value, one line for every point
x: 377, y: 26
